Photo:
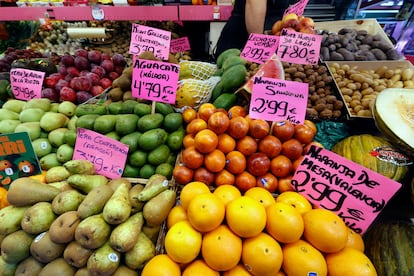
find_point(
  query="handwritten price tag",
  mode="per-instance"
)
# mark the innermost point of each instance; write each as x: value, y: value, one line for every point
x: 299, y: 48
x: 155, y: 80
x: 108, y: 155
x: 298, y: 8
x: 144, y: 38
x: 26, y: 84
x: 180, y: 45
x: 277, y: 100
x: 352, y: 191
x: 260, y: 47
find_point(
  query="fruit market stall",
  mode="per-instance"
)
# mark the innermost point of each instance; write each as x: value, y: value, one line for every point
x: 126, y: 181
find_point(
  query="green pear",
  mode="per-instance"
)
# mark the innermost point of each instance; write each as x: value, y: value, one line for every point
x: 114, y: 183
x: 43, y: 103
x: 70, y: 137
x: 41, y: 147
x: 155, y: 185
x: 76, y: 255
x: 58, y: 267
x: 38, y: 218
x: 58, y: 173
x: 62, y: 230
x: 136, y: 204
x: 67, y: 107
x: 67, y: 201
x: 33, y: 128
x: 54, y: 107
x: 104, y: 260
x: 142, y: 251
x: 118, y: 207
x: 49, y: 161
x: 7, y: 269
x: 52, y: 120
x: 15, y: 247
x: 6, y: 114
x: 26, y: 191
x: 56, y: 136
x: 72, y: 123
x: 14, y: 105
x: 125, y: 235
x: 61, y: 185
x: 157, y: 208
x: 8, y: 125
x: 123, y: 270
x: 31, y: 115
x: 152, y: 232
x: 10, y: 218
x: 44, y: 249
x: 80, y: 166
x: 86, y: 183
x: 65, y: 153
x: 29, y: 267
x: 82, y: 272
x: 95, y: 201
x: 92, y: 232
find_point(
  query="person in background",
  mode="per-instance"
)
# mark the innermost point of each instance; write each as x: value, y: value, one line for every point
x: 249, y: 16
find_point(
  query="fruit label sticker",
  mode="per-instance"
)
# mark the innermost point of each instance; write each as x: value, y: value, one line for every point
x: 107, y: 155
x: 299, y: 48
x: 179, y: 45
x: 147, y: 39
x: 352, y: 191
x: 278, y: 100
x: 298, y: 8
x: 155, y: 80
x: 260, y: 47
x: 17, y: 157
x: 26, y: 84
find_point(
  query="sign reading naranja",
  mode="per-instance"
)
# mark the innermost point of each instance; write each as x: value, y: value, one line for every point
x: 335, y: 183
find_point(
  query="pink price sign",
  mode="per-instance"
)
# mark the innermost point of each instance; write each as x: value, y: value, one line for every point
x: 335, y: 183
x: 155, y: 80
x: 298, y: 8
x: 299, y: 48
x: 277, y: 100
x: 108, y: 155
x: 26, y: 84
x: 180, y: 45
x: 260, y: 47
x: 144, y: 38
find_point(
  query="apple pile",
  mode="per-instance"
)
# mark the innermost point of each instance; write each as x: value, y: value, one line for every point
x: 82, y: 76
x: 295, y: 23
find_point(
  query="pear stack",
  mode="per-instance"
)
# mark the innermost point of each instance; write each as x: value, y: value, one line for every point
x: 79, y: 221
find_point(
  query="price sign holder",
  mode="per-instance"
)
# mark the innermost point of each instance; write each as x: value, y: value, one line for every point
x: 299, y: 48
x: 298, y: 8
x: 352, y: 191
x: 277, y: 100
x: 260, y: 47
x: 155, y: 80
x: 144, y: 38
x: 26, y: 84
x: 181, y: 44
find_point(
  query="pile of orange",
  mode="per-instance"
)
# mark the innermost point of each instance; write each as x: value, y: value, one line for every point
x: 3, y: 198
x: 228, y: 147
x: 226, y: 232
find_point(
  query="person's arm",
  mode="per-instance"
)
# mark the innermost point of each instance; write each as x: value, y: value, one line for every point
x: 255, y: 16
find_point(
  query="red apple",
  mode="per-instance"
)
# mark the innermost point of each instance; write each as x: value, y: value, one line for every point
x: 96, y: 90
x: 105, y: 83
x: 306, y: 22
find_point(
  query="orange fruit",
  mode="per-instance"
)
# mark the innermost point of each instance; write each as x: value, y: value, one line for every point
x: 3, y: 198
x: 311, y: 124
x: 205, y: 111
x: 304, y: 133
x: 292, y: 149
x: 192, y: 158
x: 262, y: 195
x: 226, y: 143
x: 237, y: 110
x: 188, y: 140
x: 267, y: 181
x: 262, y: 255
x: 281, y: 166
x: 270, y: 145
x: 246, y: 216
x: 227, y: 193
x: 205, y: 141
x: 325, y: 230
x: 161, y: 265
x: 284, y: 130
x: 189, y: 191
x: 182, y: 175
x: 355, y: 240
x: 246, y: 145
x: 238, y: 270
x: 349, y: 261
x: 182, y: 242
x: 205, y: 212
x: 296, y: 163
x: 176, y: 214
x: 218, y: 122
x: 189, y: 114
x: 235, y: 162
x: 244, y: 181
x: 284, y: 184
x: 221, y: 248
x: 224, y: 177
x: 215, y: 161
x: 258, y: 128
x: 284, y: 223
x: 296, y: 200
x: 199, y: 267
x: 301, y: 258
x: 238, y: 128
x: 307, y: 147
x: 203, y: 175
x: 195, y: 126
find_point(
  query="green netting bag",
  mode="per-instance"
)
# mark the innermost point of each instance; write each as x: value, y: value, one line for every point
x: 196, y: 70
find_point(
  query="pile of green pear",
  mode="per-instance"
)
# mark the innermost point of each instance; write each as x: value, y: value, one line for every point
x: 81, y: 223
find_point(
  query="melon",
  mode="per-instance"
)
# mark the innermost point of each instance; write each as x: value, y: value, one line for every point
x: 272, y: 68
x: 393, y: 113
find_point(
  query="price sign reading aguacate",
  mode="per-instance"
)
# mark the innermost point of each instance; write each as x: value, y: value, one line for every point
x: 155, y: 80
x: 335, y: 183
x: 277, y: 100
x: 299, y: 48
x: 179, y: 45
x: 260, y: 47
x: 144, y: 38
x: 26, y: 84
